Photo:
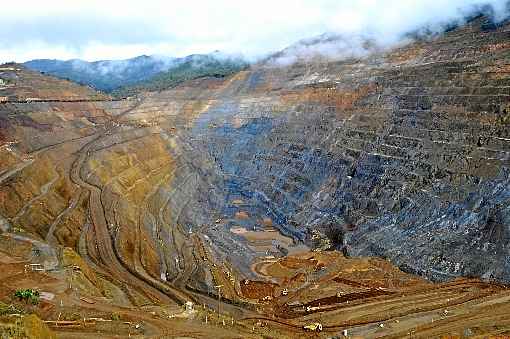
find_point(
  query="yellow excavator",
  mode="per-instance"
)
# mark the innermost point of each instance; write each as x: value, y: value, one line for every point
x: 315, y: 327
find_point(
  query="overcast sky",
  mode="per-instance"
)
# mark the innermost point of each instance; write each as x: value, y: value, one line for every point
x: 105, y: 29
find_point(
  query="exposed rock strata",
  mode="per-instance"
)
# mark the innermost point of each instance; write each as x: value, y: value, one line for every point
x: 402, y: 155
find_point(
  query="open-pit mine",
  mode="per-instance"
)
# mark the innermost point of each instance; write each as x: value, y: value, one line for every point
x: 358, y: 198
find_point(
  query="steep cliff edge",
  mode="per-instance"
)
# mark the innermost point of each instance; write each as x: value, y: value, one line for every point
x: 403, y: 155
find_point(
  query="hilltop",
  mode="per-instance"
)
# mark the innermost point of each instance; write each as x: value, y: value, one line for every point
x: 143, y: 72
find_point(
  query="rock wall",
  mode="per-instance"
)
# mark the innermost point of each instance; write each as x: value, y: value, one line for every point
x: 402, y: 154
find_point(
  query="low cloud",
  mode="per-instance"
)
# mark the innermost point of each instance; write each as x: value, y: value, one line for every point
x: 94, y: 29
x: 361, y: 36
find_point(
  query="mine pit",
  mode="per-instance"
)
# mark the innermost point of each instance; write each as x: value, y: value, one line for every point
x: 356, y: 198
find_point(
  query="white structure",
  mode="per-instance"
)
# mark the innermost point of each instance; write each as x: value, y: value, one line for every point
x: 189, y: 306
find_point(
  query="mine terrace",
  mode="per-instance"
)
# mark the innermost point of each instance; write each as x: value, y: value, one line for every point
x: 356, y: 198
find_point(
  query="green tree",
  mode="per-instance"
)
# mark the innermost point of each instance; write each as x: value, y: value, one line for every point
x: 28, y: 295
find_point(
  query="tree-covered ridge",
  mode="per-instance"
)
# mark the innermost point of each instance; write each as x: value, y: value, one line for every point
x: 131, y: 75
x: 196, y: 66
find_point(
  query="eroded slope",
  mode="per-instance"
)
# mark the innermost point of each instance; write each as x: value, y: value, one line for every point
x: 232, y: 181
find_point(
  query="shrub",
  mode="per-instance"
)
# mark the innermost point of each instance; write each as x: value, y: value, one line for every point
x: 28, y: 295
x: 9, y: 309
x: 115, y: 316
x: 504, y: 118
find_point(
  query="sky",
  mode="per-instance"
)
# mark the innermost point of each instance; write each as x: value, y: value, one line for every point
x: 106, y: 29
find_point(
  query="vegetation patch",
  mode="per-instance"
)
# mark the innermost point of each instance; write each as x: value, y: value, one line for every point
x: 28, y: 296
x: 504, y: 117
x: 115, y: 316
x: 6, y: 309
x: 29, y: 326
x: 205, y: 66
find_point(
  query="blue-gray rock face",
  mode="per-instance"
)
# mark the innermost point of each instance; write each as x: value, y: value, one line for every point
x: 403, y: 155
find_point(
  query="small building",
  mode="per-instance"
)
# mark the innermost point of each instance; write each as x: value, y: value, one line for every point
x: 29, y: 100
x: 189, y: 306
